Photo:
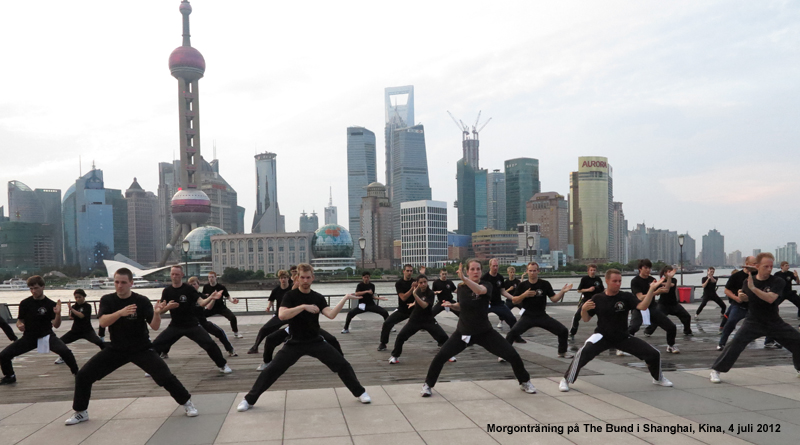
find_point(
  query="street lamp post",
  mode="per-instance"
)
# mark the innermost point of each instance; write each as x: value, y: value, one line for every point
x: 362, y: 243
x: 530, y: 246
x: 185, y: 248
x: 680, y: 243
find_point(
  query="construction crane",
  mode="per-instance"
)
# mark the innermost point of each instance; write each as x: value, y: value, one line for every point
x: 465, y: 128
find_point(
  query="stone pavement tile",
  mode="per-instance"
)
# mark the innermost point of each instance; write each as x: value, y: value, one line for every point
x: 509, y: 389
x: 143, y: 407
x: 608, y: 368
x: 550, y: 410
x: 269, y: 401
x: 58, y: 433
x: 252, y: 425
x: 376, y: 419
x: 11, y: 408
x: 208, y: 404
x: 260, y: 442
x: 787, y: 435
x: 105, y: 409
x: 685, y: 380
x: 634, y: 406
x: 710, y: 438
x: 628, y: 383
x: 593, y: 438
x: 409, y: 393
x: 666, y: 438
x: 11, y: 434
x: 598, y: 408
x: 495, y: 411
x: 387, y: 439
x: 124, y: 432
x: 341, y: 440
x: 435, y: 416
x: 320, y: 422
x: 682, y: 403
x: 453, y: 391
x: 376, y: 393
x: 744, y: 377
x: 466, y: 436
x: 787, y: 415
x: 579, y: 387
x: 789, y: 369
x: 188, y: 430
x: 43, y: 412
x: 745, y: 398
x: 311, y: 398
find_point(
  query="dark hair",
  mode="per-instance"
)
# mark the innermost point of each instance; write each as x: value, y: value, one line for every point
x: 591, y: 266
x: 35, y: 280
x: 293, y: 268
x: 666, y: 269
x: 366, y: 273
x: 80, y: 292
x: 408, y: 265
x: 644, y: 263
x: 421, y: 277
x: 127, y: 272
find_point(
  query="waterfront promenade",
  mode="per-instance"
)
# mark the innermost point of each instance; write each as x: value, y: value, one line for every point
x: 310, y: 405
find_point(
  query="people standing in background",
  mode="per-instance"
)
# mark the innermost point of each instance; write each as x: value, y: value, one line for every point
x: 709, y: 283
x: 219, y: 307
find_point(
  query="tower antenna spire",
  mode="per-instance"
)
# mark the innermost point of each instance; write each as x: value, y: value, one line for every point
x: 186, y: 9
x: 330, y: 200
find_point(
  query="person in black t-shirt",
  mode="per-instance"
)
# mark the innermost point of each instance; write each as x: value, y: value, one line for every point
x: 668, y: 303
x: 366, y: 291
x: 496, y: 304
x: 510, y: 285
x: 219, y: 307
x: 532, y: 295
x: 737, y: 310
x: 37, y: 317
x: 127, y: 316
x: 639, y: 287
x: 443, y: 289
x: 181, y: 301
x: 709, y: 283
x: 788, y: 293
x: 404, y: 287
x: 275, y: 298
x: 474, y: 328
x: 200, y: 313
x: 612, y: 307
x: 301, y: 308
x: 762, y: 291
x: 81, y: 314
x: 590, y: 285
x: 421, y: 319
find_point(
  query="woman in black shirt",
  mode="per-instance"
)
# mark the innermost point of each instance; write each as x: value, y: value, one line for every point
x: 421, y: 319
x: 668, y: 303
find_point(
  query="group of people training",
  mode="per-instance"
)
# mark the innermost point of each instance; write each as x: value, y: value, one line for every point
x: 754, y: 293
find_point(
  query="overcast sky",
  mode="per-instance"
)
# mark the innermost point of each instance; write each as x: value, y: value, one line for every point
x: 696, y: 104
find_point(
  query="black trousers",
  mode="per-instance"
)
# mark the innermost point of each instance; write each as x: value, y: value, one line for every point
x: 577, y: 317
x: 438, y: 309
x: 7, y: 330
x: 394, y: 318
x: 87, y: 335
x: 277, y: 338
x: 795, y: 300
x: 711, y: 297
x: 272, y: 325
x: 214, y: 330
x: 735, y: 314
x: 29, y: 343
x: 101, y: 331
x: 109, y: 360
x: 374, y: 308
x: 632, y: 345
x: 543, y: 321
x: 781, y: 331
x: 414, y: 326
x: 657, y: 320
x: 676, y: 310
x: 197, y: 334
x: 220, y: 309
x: 504, y: 313
x: 291, y: 353
x: 491, y: 340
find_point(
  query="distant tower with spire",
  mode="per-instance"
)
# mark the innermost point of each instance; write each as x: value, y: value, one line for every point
x: 330, y: 211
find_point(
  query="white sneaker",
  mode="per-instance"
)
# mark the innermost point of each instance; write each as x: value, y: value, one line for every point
x: 238, y: 335
x: 232, y: 354
x: 345, y: 331
x: 77, y: 417
x: 147, y: 375
x: 452, y: 359
x: 662, y: 382
x: 720, y: 347
x: 393, y: 360
x: 620, y: 353
x: 426, y: 390
x: 647, y: 335
x: 563, y: 386
x: 364, y: 398
x: 500, y: 360
x: 500, y: 325
x: 243, y: 406
x: 262, y: 367
x: 696, y: 317
x: 673, y: 349
x: 528, y: 387
x: 394, y: 329
x: 565, y: 355
x: 59, y: 361
x: 191, y: 411
x: 226, y: 369
x: 715, y: 377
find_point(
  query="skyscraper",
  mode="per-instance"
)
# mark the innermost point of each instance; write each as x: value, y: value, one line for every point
x: 142, y: 224
x: 619, y: 228
x: 424, y: 239
x: 465, y: 197
x: 309, y: 223
x: 689, y: 250
x: 593, y: 206
x: 361, y: 171
x: 787, y: 253
x: 522, y: 182
x: 549, y: 210
x: 481, y: 199
x: 267, y: 218
x: 38, y: 206
x: 399, y: 111
x: 496, y: 200
x: 376, y: 228
x: 410, y: 170
x: 713, y: 253
x: 331, y: 214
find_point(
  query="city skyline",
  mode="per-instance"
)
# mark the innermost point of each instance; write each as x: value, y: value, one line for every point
x: 703, y: 114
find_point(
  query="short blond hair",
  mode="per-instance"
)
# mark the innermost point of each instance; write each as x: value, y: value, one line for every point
x: 763, y: 255
x: 193, y: 280
x: 305, y: 267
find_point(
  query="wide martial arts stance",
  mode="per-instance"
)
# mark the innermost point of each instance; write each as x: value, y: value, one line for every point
x: 421, y: 319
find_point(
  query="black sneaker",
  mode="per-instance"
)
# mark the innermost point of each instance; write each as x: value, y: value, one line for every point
x: 769, y: 345
x: 9, y: 379
x: 520, y: 340
x: 382, y: 347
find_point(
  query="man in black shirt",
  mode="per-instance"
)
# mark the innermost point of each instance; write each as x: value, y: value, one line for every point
x: 639, y: 287
x: 496, y: 304
x: 366, y: 291
x: 421, y: 319
x: 710, y: 293
x: 738, y: 302
x: 181, y: 300
x: 788, y: 293
x: 301, y: 308
x: 612, y: 307
x: 219, y: 307
x: 127, y: 316
x: 37, y: 317
x: 81, y: 314
x: 510, y: 285
x: 762, y: 292
x: 443, y: 289
x: 275, y: 298
x: 532, y: 296
x: 590, y: 285
x: 668, y: 303
x: 403, y: 287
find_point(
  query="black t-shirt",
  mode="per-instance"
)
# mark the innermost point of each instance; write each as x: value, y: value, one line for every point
x: 128, y: 333
x: 183, y: 316
x: 446, y: 287
x: 587, y: 282
x: 473, y: 318
x: 420, y: 314
x: 85, y: 323
x: 788, y: 277
x: 38, y: 316
x: 304, y: 326
x: 497, y: 286
x: 734, y: 284
x: 612, y: 314
x: 209, y: 289
x: 276, y: 296
x: 671, y: 297
x: 760, y: 311
x: 402, y: 286
x: 367, y: 299
x: 711, y: 288
x: 642, y: 285
x: 535, y: 305
x: 511, y: 284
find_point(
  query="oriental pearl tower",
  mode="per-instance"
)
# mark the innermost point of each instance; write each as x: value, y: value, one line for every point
x: 190, y: 206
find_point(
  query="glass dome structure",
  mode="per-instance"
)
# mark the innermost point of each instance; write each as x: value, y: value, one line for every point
x: 200, y: 242
x: 332, y: 241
